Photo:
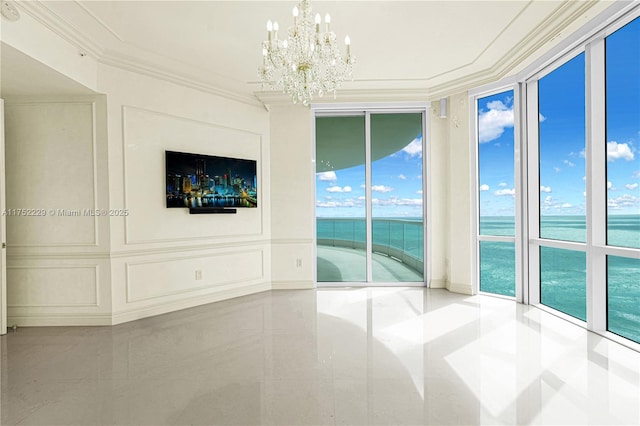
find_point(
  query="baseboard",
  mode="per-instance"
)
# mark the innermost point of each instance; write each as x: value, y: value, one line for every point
x: 292, y: 285
x: 460, y: 288
x: 136, y: 314
x: 439, y: 283
x: 57, y: 320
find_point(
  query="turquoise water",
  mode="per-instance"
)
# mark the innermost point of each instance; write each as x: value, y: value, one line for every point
x: 402, y: 234
x: 563, y: 273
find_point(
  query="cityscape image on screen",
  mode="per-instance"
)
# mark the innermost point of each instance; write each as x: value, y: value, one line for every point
x: 195, y: 180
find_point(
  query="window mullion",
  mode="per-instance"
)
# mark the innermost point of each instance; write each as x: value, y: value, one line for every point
x: 533, y: 190
x: 596, y: 187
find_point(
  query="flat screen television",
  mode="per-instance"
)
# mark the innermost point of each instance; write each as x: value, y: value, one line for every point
x: 196, y: 180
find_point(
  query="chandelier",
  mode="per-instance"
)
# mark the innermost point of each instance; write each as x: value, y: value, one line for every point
x: 307, y: 61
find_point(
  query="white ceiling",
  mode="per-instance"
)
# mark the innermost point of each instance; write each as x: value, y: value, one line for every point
x: 432, y: 47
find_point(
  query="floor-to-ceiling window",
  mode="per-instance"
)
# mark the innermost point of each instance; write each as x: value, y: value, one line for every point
x: 561, y: 223
x: 622, y: 152
x: 496, y: 242
x: 580, y: 211
x: 370, y: 197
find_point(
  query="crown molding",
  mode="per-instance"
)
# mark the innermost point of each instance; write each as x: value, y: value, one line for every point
x: 38, y: 10
x: 553, y: 26
x: 131, y: 64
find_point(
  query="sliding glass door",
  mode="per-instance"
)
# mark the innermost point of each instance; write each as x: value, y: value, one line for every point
x: 370, y: 198
x: 340, y: 199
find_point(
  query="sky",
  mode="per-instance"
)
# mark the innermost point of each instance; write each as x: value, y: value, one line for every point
x: 562, y: 136
x: 396, y: 186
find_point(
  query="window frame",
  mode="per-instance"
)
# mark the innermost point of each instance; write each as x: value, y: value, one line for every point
x: 590, y: 39
x: 474, y: 97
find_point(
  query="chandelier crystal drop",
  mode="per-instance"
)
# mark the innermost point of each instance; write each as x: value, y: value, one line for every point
x: 308, y: 60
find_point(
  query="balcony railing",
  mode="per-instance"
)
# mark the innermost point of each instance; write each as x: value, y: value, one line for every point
x: 400, y: 239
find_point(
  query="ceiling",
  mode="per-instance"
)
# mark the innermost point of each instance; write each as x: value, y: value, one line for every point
x: 426, y: 47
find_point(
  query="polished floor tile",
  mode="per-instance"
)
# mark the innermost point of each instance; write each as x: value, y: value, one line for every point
x: 343, y: 356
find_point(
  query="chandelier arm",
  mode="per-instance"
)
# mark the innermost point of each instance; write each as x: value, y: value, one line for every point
x: 307, y: 62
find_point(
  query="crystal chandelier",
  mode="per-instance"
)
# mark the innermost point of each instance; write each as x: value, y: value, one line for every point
x: 308, y: 60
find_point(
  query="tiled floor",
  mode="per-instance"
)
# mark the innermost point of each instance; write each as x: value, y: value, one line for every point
x: 331, y: 356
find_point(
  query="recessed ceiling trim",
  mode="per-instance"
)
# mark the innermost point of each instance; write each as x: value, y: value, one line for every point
x: 103, y: 24
x: 351, y: 96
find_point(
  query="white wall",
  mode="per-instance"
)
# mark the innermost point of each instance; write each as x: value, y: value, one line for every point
x: 36, y: 40
x: 459, y: 238
x: 107, y: 152
x: 292, y: 197
x: 437, y: 228
x: 156, y: 251
x: 58, y: 253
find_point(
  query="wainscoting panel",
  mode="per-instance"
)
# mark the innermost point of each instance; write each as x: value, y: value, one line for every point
x: 58, y: 291
x: 53, y: 286
x: 155, y: 279
x: 51, y: 172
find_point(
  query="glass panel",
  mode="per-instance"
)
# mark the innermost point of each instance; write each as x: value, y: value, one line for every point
x: 563, y: 281
x: 623, y: 297
x: 498, y: 268
x: 340, y: 199
x: 496, y: 164
x: 396, y: 179
x: 561, y: 100
x: 623, y: 136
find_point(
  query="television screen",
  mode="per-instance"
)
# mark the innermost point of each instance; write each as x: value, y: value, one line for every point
x: 195, y: 180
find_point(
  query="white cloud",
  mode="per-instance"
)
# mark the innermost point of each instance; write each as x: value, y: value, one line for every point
x: 631, y: 186
x: 326, y: 204
x: 381, y: 188
x: 545, y: 188
x: 566, y: 206
x: 557, y: 169
x: 419, y: 192
x: 548, y: 203
x: 502, y: 184
x: 491, y: 123
x: 403, y: 177
x: 583, y: 154
x: 394, y: 201
x: 623, y: 201
x: 327, y: 176
x: 609, y: 185
x: 584, y: 178
x: 616, y: 151
x: 349, y: 202
x: 414, y: 148
x: 636, y: 175
x: 569, y: 163
x: 339, y: 189
x: 541, y: 117
x: 484, y: 187
x: 505, y: 191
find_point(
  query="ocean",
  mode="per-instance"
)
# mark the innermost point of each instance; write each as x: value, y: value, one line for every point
x: 562, y: 272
